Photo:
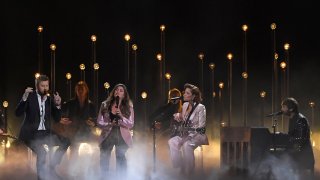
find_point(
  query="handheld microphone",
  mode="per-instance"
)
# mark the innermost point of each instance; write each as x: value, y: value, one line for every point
x: 117, y: 101
x: 47, y: 92
x: 274, y: 114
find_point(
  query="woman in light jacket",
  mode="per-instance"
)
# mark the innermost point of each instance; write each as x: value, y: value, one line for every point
x: 115, y: 118
x: 192, y: 135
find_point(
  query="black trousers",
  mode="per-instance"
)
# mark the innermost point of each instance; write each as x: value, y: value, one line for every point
x: 43, y: 141
x: 113, y: 139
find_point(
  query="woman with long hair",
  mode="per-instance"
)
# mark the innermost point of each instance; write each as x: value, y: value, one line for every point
x: 192, y: 135
x: 78, y: 117
x: 115, y: 118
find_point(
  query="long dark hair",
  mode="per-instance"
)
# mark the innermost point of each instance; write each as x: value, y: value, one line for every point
x: 126, y: 103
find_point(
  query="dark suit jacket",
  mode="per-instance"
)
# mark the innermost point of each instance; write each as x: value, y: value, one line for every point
x: 30, y: 108
x: 299, y: 141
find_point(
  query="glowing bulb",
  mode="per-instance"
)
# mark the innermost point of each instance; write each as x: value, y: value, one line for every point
x: 162, y: 27
x: 82, y: 67
x: 95, y: 66
x: 144, y: 95
x: 263, y: 94
x: 221, y: 85
x: 5, y: 104
x: 312, y: 104
x: 276, y: 56
x: 245, y: 75
x: 168, y: 76
x: 40, y: 28
x: 159, y: 57
x: 68, y: 76
x: 244, y: 27
x: 37, y: 75
x: 106, y: 85
x: 93, y: 38
x: 273, y: 26
x: 127, y: 37
x: 134, y: 47
x: 53, y: 47
x: 230, y: 56
x: 286, y: 46
x: 283, y: 65
x: 212, y: 66
x: 222, y: 124
x: 201, y: 56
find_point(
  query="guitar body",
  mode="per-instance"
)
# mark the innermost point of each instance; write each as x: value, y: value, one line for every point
x: 182, y: 129
x: 67, y: 131
x: 179, y: 129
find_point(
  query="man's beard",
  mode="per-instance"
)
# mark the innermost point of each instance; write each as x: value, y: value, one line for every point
x: 42, y: 93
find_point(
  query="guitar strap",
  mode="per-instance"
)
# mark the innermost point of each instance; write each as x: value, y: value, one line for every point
x: 193, y: 108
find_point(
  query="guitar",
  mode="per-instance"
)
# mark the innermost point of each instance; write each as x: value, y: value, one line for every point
x: 182, y: 129
x: 70, y: 130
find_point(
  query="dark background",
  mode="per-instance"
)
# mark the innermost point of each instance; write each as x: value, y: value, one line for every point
x: 212, y: 27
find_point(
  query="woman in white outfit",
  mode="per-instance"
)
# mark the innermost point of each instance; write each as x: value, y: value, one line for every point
x: 193, y: 118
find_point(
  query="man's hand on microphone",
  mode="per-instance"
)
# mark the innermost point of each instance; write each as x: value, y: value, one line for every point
x: 57, y: 99
x: 26, y: 93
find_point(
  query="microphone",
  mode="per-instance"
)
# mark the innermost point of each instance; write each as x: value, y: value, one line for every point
x: 47, y: 92
x: 117, y: 101
x: 274, y: 114
x: 176, y: 98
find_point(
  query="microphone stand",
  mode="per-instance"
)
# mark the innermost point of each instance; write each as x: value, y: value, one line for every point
x: 274, y: 125
x: 154, y: 145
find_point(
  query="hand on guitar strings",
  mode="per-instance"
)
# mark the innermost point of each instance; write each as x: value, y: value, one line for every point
x: 90, y: 122
x: 177, y: 117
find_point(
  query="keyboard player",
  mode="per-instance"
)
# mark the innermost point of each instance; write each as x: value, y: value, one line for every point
x: 299, y: 146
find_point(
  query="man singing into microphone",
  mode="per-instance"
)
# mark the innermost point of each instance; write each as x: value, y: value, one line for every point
x: 299, y: 147
x: 35, y: 131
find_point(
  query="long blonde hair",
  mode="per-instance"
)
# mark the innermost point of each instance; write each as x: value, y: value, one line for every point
x: 82, y: 84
